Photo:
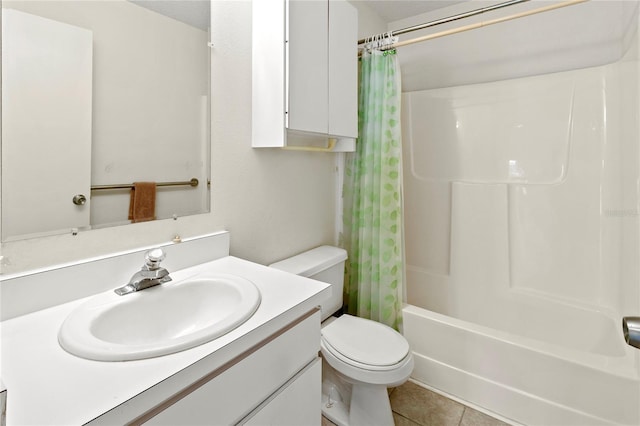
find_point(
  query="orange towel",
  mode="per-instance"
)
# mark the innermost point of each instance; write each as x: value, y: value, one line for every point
x: 142, y: 204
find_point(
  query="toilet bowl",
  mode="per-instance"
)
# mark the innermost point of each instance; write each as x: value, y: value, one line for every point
x: 361, y: 357
x: 370, y: 357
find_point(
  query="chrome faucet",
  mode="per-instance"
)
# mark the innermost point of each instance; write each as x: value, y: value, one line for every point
x: 150, y: 275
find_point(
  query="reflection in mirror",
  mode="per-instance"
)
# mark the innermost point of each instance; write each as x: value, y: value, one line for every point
x: 97, y: 95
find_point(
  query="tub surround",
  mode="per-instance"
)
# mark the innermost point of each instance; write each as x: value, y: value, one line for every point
x: 70, y: 390
x: 531, y: 259
x: 585, y: 35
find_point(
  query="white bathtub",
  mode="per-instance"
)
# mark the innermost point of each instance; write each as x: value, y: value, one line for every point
x: 530, y: 381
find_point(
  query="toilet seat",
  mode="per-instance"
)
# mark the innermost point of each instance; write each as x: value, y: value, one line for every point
x: 365, y: 343
x: 366, y: 351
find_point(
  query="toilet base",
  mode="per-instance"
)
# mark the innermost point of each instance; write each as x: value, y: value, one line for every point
x: 336, y: 411
x: 369, y: 406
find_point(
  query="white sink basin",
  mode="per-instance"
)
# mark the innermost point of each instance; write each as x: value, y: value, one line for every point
x: 160, y: 320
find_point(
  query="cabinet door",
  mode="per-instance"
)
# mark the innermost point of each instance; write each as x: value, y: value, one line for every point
x: 268, y: 73
x: 296, y: 404
x: 308, y: 97
x: 343, y: 69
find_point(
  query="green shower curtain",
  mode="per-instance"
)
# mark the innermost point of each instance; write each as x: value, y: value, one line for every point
x: 372, y: 233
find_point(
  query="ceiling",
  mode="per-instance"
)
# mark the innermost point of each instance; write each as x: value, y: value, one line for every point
x: 190, y: 12
x: 394, y: 10
x: 196, y: 12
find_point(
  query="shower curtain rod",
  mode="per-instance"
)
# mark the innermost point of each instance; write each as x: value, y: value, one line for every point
x: 449, y: 19
x: 471, y: 26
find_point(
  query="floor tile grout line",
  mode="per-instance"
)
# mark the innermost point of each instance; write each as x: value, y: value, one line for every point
x: 409, y: 418
x: 464, y: 410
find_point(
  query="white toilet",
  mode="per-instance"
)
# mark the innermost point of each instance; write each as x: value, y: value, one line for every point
x: 362, y: 357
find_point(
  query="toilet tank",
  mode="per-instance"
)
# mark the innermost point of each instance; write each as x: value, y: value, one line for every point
x: 324, y: 263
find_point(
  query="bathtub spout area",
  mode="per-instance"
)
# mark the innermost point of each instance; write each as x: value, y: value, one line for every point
x: 631, y: 331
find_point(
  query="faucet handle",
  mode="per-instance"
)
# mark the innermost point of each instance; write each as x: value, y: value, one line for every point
x: 153, y: 258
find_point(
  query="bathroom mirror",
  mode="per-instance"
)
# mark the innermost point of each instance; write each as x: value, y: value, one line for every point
x: 98, y: 95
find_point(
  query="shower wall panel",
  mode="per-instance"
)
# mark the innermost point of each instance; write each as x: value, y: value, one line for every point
x: 524, y: 189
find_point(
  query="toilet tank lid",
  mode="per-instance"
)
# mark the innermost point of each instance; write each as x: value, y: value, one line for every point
x: 313, y: 261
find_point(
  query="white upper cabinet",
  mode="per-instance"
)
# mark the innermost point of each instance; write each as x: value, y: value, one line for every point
x: 343, y: 69
x: 304, y: 72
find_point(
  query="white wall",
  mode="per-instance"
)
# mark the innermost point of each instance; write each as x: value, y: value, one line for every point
x: 275, y: 203
x: 369, y: 23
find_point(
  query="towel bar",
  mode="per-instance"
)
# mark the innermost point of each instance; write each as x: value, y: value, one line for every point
x: 192, y: 183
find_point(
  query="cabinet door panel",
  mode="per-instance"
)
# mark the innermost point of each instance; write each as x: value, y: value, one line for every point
x: 308, y: 73
x: 295, y: 404
x: 268, y: 69
x: 343, y: 69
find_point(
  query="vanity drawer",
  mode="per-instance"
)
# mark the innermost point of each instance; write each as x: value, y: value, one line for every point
x: 227, y: 395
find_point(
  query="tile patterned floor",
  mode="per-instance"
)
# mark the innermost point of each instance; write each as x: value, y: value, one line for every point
x: 414, y: 405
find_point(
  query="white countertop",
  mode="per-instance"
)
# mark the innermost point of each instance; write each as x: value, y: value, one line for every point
x: 47, y: 385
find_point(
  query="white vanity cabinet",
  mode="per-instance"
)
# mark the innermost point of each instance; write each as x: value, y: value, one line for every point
x: 265, y: 371
x: 275, y: 382
x: 304, y: 71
